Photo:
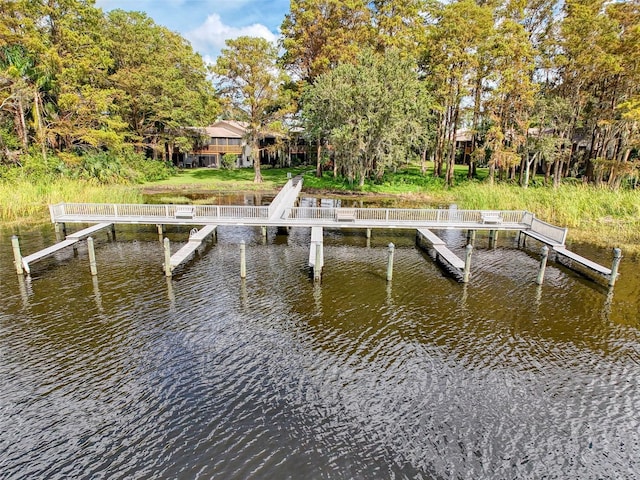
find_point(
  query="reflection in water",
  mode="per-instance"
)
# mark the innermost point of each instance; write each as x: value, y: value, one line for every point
x: 280, y: 377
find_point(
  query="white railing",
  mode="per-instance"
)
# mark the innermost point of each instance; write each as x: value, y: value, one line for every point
x: 67, y: 211
x: 557, y: 234
x: 403, y: 215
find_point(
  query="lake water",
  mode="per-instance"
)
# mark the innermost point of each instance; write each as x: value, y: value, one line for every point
x: 130, y: 375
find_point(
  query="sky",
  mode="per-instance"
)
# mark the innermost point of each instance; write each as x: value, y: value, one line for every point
x: 208, y: 23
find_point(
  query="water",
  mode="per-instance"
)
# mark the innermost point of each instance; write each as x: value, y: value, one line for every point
x: 205, y: 376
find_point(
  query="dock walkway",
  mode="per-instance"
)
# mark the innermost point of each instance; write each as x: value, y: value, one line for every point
x: 282, y: 212
x: 69, y: 241
x: 195, y: 241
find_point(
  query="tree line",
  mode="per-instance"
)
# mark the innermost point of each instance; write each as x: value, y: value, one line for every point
x: 76, y: 81
x: 536, y: 85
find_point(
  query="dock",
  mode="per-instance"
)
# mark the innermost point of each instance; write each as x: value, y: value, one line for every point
x: 283, y: 213
x: 196, y: 238
x: 69, y: 241
x: 443, y: 254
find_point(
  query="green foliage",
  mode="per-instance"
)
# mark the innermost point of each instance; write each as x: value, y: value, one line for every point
x: 229, y: 161
x: 372, y: 113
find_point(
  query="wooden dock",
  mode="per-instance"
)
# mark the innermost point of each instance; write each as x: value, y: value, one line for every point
x: 196, y: 238
x: 69, y: 241
x: 443, y: 254
x: 282, y: 212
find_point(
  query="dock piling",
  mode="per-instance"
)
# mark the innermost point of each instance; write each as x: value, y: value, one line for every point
x: 243, y: 260
x: 392, y: 249
x: 467, y: 264
x: 471, y: 237
x: 92, y: 256
x: 543, y: 265
x: 317, y: 266
x: 17, y: 255
x: 617, y: 256
x: 167, y: 257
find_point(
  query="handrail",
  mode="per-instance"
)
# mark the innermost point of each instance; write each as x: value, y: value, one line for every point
x: 558, y: 234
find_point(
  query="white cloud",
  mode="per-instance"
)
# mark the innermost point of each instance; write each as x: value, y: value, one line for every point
x: 211, y: 35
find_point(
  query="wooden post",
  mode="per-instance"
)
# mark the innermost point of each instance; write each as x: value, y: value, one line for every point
x: 243, y: 260
x: 113, y: 232
x: 543, y: 265
x: 467, y: 264
x: 392, y: 249
x: 317, y: 266
x: 368, y: 233
x: 617, y: 256
x: 471, y: 237
x: 92, y: 257
x: 15, y: 242
x: 160, y: 229
x: 264, y: 234
x: 493, y: 236
x: 167, y: 257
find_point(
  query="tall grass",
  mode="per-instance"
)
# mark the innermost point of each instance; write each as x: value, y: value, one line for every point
x: 27, y: 201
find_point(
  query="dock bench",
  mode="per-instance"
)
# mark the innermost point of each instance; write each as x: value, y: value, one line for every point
x: 345, y: 214
x: 491, y: 217
x: 185, y: 211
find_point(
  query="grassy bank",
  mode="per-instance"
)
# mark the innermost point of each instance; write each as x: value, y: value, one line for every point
x: 27, y: 202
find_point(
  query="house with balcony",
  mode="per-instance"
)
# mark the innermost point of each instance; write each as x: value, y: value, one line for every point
x: 221, y: 138
x: 229, y: 137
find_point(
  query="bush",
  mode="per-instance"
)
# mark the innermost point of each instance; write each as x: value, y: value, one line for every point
x: 228, y: 161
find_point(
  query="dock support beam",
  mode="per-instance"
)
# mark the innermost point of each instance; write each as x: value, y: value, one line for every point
x: 467, y: 264
x: 617, y: 256
x: 392, y: 249
x: 317, y: 266
x: 543, y: 265
x: 17, y: 255
x: 243, y: 260
x: 264, y: 234
x: 167, y: 257
x: 92, y: 257
x: 471, y: 237
x: 493, y: 236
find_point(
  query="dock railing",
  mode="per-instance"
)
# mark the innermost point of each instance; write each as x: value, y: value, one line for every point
x: 78, y: 211
x: 403, y: 215
x: 557, y: 234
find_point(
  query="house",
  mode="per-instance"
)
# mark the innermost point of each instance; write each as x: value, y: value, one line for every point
x: 229, y: 137
x: 223, y: 137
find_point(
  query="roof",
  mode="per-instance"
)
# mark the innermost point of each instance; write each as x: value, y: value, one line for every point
x: 226, y: 129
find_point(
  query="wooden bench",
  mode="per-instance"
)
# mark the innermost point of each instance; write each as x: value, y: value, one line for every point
x: 491, y: 217
x: 345, y: 214
x: 185, y: 211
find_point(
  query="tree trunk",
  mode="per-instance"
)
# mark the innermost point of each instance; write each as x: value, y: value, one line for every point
x: 255, y: 154
x: 319, y: 158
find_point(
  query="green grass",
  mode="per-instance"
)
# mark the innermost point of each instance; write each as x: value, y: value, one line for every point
x: 213, y: 179
x: 27, y: 201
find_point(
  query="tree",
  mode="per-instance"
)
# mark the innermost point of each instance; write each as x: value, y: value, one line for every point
x: 317, y: 35
x: 372, y: 112
x: 162, y: 82
x: 250, y: 81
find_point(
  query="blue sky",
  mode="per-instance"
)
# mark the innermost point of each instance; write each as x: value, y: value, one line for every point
x: 208, y: 23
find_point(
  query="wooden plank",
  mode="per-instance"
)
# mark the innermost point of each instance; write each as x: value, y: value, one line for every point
x: 441, y: 249
x: 34, y: 257
x: 583, y: 261
x: 450, y: 257
x: 187, y: 250
x: 82, y: 234
x: 430, y: 236
x: 70, y: 240
x: 316, y: 239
